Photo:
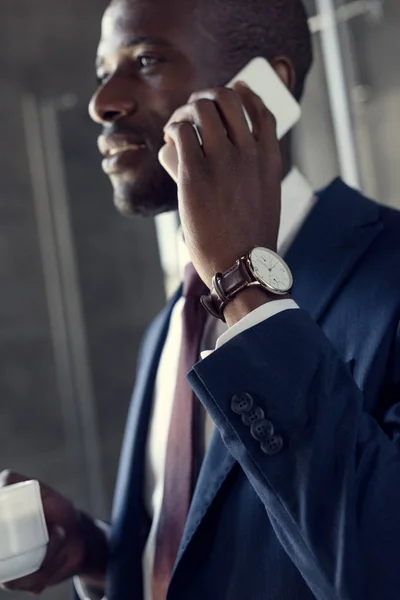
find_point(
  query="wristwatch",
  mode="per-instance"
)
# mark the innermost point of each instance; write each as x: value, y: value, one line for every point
x: 260, y: 267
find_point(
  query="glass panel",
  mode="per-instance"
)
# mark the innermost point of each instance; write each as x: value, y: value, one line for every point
x: 370, y: 48
x: 313, y: 141
x: 373, y: 50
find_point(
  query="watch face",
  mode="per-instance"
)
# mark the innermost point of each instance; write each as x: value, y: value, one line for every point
x: 271, y: 270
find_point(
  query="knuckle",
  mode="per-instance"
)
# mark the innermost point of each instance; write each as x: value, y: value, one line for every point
x: 205, y: 93
x: 204, y: 171
x: 198, y: 174
x: 216, y: 94
x: 196, y: 96
x: 180, y: 127
x: 203, y: 105
x: 250, y: 154
x: 231, y: 161
x: 275, y: 166
x: 226, y: 95
x: 193, y: 97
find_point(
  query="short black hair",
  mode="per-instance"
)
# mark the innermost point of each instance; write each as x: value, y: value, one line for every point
x: 268, y: 28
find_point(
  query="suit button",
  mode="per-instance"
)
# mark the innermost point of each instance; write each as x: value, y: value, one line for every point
x: 272, y: 445
x: 242, y: 404
x: 252, y: 417
x: 260, y: 430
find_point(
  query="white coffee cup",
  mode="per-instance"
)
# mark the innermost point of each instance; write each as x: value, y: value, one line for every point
x: 23, y: 531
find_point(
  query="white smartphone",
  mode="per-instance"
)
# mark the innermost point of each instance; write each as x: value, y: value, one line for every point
x: 264, y: 81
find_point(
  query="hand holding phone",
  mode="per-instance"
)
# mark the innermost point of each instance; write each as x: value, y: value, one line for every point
x: 260, y: 76
x: 229, y: 188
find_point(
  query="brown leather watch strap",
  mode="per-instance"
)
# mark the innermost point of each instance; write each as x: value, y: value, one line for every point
x: 226, y: 285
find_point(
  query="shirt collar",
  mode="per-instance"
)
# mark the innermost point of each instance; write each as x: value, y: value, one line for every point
x: 297, y: 201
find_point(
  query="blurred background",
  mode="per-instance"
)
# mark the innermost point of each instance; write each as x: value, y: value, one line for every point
x: 78, y: 283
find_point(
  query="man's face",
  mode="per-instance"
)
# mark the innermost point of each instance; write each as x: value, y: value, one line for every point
x: 152, y: 55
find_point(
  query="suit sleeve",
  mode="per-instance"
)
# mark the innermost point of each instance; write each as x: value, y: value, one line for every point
x: 291, y: 414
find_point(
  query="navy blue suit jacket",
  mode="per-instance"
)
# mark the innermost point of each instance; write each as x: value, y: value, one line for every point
x: 320, y: 518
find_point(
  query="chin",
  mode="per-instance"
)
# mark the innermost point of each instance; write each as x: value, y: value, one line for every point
x: 146, y: 196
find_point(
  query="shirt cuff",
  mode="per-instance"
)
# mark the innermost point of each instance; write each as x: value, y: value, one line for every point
x: 84, y: 591
x: 260, y: 314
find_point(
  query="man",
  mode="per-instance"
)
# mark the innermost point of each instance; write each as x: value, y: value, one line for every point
x: 296, y: 491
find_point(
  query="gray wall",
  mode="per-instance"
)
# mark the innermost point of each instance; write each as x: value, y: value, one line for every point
x: 370, y: 45
x: 376, y: 52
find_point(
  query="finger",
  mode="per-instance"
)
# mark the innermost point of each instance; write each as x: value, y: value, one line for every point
x: 168, y: 158
x: 262, y: 120
x: 204, y: 114
x: 190, y: 154
x: 231, y: 113
x: 52, y: 563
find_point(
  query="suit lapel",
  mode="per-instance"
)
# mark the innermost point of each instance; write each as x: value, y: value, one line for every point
x: 336, y: 234
x: 126, y: 544
x: 338, y: 231
x: 216, y: 467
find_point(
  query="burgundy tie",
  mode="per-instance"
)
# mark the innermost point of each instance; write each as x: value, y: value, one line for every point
x: 183, y: 443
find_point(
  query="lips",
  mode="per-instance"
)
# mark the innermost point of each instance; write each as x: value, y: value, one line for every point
x: 120, y: 152
x: 113, y: 145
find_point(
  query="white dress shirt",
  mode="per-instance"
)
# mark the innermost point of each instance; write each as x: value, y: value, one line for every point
x: 297, y: 201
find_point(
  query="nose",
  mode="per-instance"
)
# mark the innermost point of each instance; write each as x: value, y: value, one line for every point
x: 111, y: 102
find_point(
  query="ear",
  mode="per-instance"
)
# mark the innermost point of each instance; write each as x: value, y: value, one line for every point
x: 285, y: 70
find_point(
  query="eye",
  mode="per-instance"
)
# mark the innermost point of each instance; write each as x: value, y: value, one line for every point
x: 147, y: 61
